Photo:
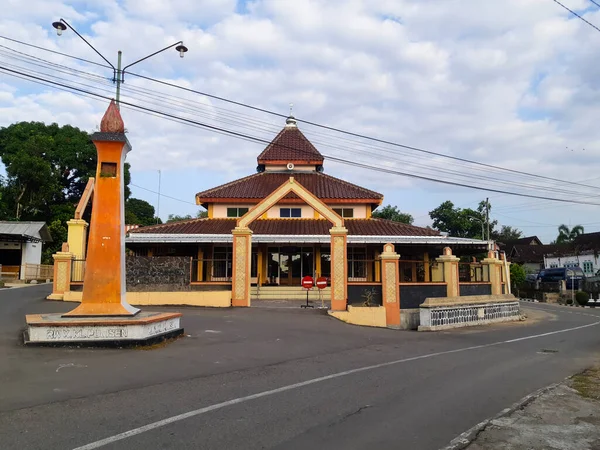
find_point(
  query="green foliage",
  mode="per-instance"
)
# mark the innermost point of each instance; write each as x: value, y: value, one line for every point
x: 582, y: 297
x: 58, y: 230
x: 566, y: 235
x: 177, y: 218
x: 461, y: 222
x: 47, y: 168
x: 517, y: 275
x: 140, y: 212
x: 507, y: 233
x: 390, y: 212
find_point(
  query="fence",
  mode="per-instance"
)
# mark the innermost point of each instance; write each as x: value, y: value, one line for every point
x: 443, y: 316
x: 37, y: 272
x: 473, y: 273
x: 216, y: 270
x: 77, y: 270
x: 10, y: 272
x: 418, y: 271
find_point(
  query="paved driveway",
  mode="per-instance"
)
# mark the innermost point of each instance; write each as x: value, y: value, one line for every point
x: 278, y: 378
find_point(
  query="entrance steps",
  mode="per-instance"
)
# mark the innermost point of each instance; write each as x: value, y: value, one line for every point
x: 288, y: 293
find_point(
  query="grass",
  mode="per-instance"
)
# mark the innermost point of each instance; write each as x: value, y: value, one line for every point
x: 587, y: 383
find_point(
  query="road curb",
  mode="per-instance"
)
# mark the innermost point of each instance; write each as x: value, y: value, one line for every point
x: 531, y: 300
x: 465, y: 439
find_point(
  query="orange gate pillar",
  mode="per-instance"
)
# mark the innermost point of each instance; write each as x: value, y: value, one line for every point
x: 339, y: 269
x: 390, y: 286
x: 104, y: 281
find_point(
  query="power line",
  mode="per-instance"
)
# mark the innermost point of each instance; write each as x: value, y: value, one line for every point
x: 264, y: 141
x: 383, y: 141
x: 335, y: 129
x: 577, y: 15
x: 55, y: 52
x: 162, y: 195
x: 597, y: 4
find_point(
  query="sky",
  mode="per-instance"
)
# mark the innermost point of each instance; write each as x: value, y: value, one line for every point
x: 509, y: 83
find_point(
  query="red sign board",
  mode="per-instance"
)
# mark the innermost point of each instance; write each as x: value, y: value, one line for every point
x: 321, y: 282
x: 308, y: 282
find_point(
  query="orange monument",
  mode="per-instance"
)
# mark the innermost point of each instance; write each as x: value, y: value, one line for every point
x: 104, y: 314
x: 104, y: 282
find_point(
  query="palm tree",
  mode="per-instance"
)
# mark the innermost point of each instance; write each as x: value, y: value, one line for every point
x: 565, y: 235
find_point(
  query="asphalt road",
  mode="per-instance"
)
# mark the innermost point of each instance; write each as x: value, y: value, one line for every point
x: 278, y: 378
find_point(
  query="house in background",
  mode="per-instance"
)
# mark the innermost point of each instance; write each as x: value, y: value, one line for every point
x: 528, y: 252
x: 21, y: 244
x: 583, y: 252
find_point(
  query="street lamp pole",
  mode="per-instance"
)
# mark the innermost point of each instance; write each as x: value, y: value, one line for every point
x: 482, y: 227
x: 118, y: 73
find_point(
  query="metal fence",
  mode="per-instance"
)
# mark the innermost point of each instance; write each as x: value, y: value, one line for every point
x: 216, y: 270
x: 418, y: 271
x: 77, y: 270
x: 473, y: 273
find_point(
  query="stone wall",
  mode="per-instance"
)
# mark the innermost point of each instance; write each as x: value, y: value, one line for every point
x: 158, y: 273
x: 475, y: 289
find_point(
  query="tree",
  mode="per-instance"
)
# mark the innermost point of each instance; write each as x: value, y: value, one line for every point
x: 390, y: 212
x: 177, y: 218
x: 507, y: 233
x: 565, y: 235
x: 47, y: 168
x: 140, y: 212
x: 460, y: 222
x: 517, y: 275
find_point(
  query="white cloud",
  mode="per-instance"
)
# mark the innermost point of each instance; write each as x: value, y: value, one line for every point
x: 510, y: 83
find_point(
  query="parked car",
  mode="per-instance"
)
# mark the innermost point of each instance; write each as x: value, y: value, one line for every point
x: 531, y: 277
x: 573, y: 276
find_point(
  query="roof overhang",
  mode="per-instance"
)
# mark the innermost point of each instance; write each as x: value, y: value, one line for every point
x: 166, y: 238
x: 8, y: 237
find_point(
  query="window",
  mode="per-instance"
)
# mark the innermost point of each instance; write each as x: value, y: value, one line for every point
x: 588, y: 267
x: 108, y: 169
x: 221, y: 264
x: 290, y: 212
x: 236, y: 212
x: 344, y: 212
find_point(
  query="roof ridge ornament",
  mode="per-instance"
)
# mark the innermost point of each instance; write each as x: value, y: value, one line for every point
x: 291, y: 122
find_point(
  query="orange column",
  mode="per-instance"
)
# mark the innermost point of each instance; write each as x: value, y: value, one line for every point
x: 240, y: 280
x: 339, y: 268
x: 390, y: 286
x: 450, y: 271
x: 104, y: 282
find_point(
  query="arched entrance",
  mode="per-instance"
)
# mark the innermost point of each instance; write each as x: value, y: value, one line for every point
x: 242, y: 245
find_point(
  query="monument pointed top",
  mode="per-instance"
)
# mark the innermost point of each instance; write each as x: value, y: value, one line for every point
x: 112, y: 122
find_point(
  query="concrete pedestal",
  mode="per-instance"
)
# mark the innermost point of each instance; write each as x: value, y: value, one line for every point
x: 144, y: 328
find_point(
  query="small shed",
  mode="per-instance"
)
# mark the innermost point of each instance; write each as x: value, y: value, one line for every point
x: 21, y: 243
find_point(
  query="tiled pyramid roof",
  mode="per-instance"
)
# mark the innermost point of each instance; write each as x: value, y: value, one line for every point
x: 260, y: 185
x: 290, y: 145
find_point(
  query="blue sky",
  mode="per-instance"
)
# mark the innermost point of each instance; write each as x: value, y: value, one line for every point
x: 510, y: 83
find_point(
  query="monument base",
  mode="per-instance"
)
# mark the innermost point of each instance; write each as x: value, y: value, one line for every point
x: 142, y: 329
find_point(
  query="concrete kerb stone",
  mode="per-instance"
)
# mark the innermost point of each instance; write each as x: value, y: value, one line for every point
x: 463, y: 440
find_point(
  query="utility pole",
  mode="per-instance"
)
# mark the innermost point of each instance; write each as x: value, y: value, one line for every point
x: 158, y: 200
x: 487, y: 219
x: 118, y: 80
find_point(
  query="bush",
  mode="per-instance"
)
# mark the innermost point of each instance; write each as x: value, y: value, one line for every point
x: 517, y: 275
x: 582, y: 297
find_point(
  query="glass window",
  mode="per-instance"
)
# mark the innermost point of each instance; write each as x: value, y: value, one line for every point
x: 290, y: 212
x: 344, y: 212
x: 236, y: 212
x: 357, y: 264
x: 588, y: 267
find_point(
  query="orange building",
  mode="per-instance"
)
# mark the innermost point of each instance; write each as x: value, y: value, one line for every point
x: 292, y: 238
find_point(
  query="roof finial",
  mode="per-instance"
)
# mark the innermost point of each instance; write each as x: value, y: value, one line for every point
x: 290, y: 122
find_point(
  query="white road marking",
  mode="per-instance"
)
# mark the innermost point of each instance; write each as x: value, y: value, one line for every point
x: 236, y: 401
x: 62, y: 366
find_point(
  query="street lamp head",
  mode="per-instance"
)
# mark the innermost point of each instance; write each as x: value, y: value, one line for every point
x: 60, y: 27
x: 181, y: 49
